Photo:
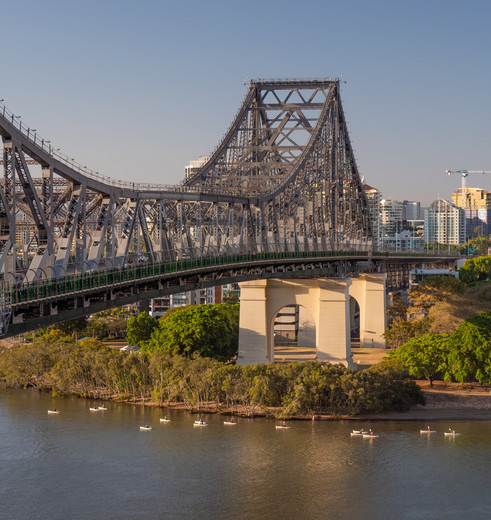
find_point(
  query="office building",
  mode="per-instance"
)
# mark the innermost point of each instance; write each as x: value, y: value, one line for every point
x: 411, y: 210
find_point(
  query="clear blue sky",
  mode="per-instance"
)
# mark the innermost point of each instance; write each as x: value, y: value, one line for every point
x: 137, y: 89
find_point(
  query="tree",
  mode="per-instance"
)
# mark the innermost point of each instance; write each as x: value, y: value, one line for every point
x: 423, y: 356
x: 75, y: 328
x: 211, y: 330
x: 231, y: 298
x: 402, y: 331
x: 432, y: 291
x: 480, y: 243
x: 476, y: 269
x: 469, y: 355
x: 139, y: 328
x: 398, y: 310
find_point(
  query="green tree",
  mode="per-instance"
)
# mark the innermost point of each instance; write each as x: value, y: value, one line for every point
x: 480, y: 243
x: 231, y: 298
x: 423, y: 356
x: 211, y: 330
x: 401, y: 331
x: 139, y: 328
x: 476, y: 269
x: 469, y: 355
x: 75, y: 328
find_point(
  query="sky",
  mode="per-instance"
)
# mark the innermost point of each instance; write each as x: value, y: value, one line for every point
x: 135, y: 90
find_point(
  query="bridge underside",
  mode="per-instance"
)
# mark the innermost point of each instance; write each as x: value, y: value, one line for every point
x: 46, y: 302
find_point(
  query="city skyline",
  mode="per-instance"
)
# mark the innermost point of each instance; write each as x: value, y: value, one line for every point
x: 139, y: 92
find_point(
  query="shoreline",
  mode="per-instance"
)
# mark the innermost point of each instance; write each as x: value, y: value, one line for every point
x: 441, y: 406
x: 444, y: 401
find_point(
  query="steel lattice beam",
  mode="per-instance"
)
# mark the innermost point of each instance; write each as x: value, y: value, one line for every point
x: 284, y: 178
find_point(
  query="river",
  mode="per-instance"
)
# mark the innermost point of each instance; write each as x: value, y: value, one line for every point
x: 99, y: 465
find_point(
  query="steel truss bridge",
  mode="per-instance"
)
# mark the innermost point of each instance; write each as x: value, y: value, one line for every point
x: 280, y: 196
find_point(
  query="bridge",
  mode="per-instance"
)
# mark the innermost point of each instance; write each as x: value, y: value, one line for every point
x: 280, y: 197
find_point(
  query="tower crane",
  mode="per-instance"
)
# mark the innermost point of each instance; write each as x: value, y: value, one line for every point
x: 464, y: 174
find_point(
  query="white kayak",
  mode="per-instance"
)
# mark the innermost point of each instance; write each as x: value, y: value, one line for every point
x: 164, y: 420
x: 427, y: 431
x: 369, y: 436
x: 53, y: 411
x: 94, y: 409
x: 281, y: 427
x: 145, y: 428
x: 451, y: 434
x: 200, y: 423
x: 230, y: 423
x: 358, y: 432
x: 101, y: 408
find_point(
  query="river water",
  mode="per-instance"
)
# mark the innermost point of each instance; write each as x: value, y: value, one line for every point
x: 99, y: 465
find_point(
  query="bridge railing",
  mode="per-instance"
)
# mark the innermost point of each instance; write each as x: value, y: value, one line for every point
x: 80, y: 282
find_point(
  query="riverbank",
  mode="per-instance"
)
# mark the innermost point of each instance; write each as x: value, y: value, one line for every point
x: 444, y: 401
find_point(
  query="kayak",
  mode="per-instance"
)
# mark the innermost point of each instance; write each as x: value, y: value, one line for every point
x: 53, y: 411
x: 369, y: 436
x: 427, y: 431
x: 164, y: 420
x: 279, y: 427
x: 145, y: 428
x: 230, y: 423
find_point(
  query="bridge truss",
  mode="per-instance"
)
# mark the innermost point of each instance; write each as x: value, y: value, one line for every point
x: 282, y: 180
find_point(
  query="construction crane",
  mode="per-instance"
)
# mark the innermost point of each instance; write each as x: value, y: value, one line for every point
x: 464, y: 174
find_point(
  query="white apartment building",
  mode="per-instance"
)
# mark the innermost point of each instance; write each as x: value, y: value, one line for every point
x: 391, y: 217
x: 444, y: 223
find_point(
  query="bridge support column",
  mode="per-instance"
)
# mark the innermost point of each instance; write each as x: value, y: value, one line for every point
x: 369, y: 292
x: 325, y: 300
x: 255, y: 341
x: 333, y: 322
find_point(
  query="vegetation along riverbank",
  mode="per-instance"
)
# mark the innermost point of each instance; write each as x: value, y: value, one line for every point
x: 89, y: 369
x: 442, y: 332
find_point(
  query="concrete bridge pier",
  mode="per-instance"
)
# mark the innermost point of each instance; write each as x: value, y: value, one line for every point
x: 369, y: 291
x: 326, y: 301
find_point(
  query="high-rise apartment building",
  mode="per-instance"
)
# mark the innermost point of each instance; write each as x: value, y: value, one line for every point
x: 444, y: 223
x: 391, y: 217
